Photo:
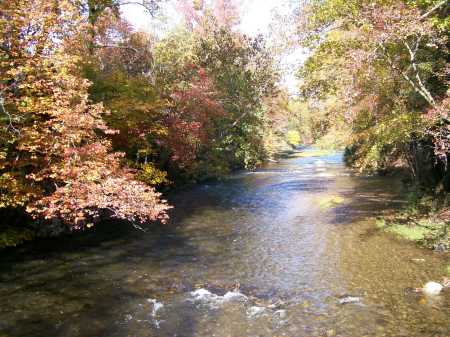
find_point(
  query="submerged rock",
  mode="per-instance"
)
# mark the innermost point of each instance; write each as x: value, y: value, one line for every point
x: 349, y: 300
x: 281, y: 314
x: 255, y: 311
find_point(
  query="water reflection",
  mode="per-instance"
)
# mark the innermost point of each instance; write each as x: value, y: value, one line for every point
x: 264, y: 235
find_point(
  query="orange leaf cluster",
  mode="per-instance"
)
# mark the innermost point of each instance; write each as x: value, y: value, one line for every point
x: 54, y: 137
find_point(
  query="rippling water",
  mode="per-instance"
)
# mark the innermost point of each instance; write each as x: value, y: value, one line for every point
x: 256, y: 255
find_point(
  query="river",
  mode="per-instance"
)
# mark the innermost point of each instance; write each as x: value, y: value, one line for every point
x: 260, y: 254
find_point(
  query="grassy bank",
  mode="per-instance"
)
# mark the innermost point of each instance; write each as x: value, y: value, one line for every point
x: 425, y: 220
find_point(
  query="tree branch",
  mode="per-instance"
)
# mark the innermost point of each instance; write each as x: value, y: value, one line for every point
x: 10, y: 123
x: 150, y: 7
x: 433, y: 9
x: 412, y: 56
x: 239, y: 118
x: 425, y: 94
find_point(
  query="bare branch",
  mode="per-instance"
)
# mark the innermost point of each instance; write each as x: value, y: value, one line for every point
x: 239, y: 118
x: 149, y: 6
x: 412, y: 56
x: 420, y: 89
x: 10, y: 123
x: 434, y: 8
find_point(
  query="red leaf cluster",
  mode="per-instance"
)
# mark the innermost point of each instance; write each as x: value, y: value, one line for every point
x: 194, y: 110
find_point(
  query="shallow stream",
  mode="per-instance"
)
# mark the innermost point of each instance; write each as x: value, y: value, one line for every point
x: 288, y: 250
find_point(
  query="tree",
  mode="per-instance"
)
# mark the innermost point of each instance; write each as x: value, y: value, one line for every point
x: 94, y: 9
x: 226, y: 12
x: 56, y: 161
x: 217, y: 80
x: 389, y: 62
x: 196, y: 13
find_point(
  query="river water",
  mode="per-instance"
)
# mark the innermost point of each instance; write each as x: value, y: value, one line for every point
x: 261, y: 254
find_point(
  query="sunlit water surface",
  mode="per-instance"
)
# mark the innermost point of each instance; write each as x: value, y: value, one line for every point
x: 256, y: 255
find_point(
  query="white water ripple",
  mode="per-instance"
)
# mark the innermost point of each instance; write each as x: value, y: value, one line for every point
x: 204, y: 296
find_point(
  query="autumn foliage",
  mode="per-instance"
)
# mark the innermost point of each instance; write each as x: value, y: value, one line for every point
x: 56, y: 159
x: 380, y: 72
x: 96, y: 116
x: 195, y: 108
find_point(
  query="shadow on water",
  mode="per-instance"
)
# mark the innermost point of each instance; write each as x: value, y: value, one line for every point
x: 47, y: 285
x: 310, y: 185
x: 373, y: 196
x: 263, y: 232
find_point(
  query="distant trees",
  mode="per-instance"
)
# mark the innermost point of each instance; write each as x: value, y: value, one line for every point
x: 202, y: 113
x: 196, y: 13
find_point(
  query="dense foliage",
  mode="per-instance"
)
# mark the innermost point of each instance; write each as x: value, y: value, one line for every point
x: 95, y: 116
x: 382, y: 68
x: 57, y: 161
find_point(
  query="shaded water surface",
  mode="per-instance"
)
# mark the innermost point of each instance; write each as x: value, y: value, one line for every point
x: 262, y: 254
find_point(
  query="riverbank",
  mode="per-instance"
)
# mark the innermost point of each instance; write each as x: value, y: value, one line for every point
x: 422, y: 224
x: 425, y: 216
x: 19, y: 228
x: 425, y: 220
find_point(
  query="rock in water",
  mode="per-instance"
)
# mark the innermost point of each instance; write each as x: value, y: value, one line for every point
x: 281, y: 314
x: 234, y: 296
x: 254, y: 312
x: 432, y: 288
x: 349, y: 299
